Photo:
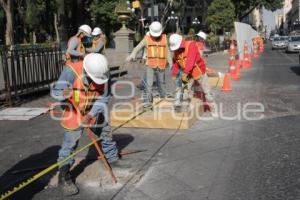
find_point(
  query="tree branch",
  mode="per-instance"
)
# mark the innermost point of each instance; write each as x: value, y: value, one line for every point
x: 248, y: 12
x: 4, y: 5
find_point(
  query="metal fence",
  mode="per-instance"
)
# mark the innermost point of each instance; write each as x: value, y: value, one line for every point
x: 27, y: 71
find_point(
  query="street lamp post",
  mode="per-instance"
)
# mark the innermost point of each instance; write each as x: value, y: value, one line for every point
x: 174, y: 19
x: 196, y: 23
x: 129, y: 8
x: 296, y: 24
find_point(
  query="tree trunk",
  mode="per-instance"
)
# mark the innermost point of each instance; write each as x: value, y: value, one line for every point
x: 33, y: 37
x: 62, y: 21
x: 56, y: 28
x: 7, y: 7
x: 25, y: 34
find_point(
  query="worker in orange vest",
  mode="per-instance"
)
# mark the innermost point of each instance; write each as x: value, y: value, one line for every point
x: 188, y: 65
x: 157, y: 59
x: 98, y: 42
x: 75, y: 49
x: 82, y: 87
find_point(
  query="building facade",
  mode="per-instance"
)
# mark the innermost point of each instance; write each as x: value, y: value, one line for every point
x: 255, y: 19
x: 293, y: 16
x: 195, y: 15
x: 286, y: 9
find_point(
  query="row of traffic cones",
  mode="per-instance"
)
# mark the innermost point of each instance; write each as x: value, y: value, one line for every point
x: 235, y: 65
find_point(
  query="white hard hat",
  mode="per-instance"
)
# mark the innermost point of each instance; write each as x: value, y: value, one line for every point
x: 96, y: 67
x: 175, y: 41
x: 86, y: 29
x: 96, y: 31
x: 202, y: 35
x: 155, y: 29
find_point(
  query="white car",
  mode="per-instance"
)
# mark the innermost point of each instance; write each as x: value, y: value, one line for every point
x: 280, y: 42
x: 293, y: 44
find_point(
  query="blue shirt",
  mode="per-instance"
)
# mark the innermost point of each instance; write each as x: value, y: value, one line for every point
x: 67, y: 79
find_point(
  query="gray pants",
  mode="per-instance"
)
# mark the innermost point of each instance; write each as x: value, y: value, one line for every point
x: 148, y: 83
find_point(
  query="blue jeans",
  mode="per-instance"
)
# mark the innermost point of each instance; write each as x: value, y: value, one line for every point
x: 71, y: 139
x: 148, y: 83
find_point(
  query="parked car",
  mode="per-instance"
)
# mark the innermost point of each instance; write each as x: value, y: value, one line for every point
x: 293, y: 44
x: 280, y: 42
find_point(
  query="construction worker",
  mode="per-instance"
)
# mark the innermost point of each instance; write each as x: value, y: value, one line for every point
x: 75, y: 49
x: 157, y: 58
x: 82, y: 87
x: 188, y: 66
x: 98, y: 43
x: 203, y: 81
x: 201, y: 37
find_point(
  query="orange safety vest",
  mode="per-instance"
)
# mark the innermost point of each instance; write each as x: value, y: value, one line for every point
x: 80, y: 48
x: 81, y: 100
x: 181, y: 58
x: 157, y: 52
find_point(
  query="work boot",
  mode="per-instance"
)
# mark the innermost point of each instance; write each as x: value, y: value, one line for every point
x: 178, y: 101
x: 178, y: 108
x: 120, y: 164
x: 209, y: 97
x: 65, y: 181
x: 147, y: 107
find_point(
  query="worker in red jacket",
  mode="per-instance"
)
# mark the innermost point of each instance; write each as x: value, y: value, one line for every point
x: 188, y: 65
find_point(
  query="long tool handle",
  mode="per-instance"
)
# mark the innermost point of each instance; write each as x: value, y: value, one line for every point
x: 101, y: 155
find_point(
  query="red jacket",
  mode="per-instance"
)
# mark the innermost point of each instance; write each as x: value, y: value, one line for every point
x: 200, y: 45
x: 193, y: 57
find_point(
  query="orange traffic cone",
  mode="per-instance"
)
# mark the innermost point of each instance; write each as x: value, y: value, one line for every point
x: 247, y: 58
x: 226, y: 83
x: 261, y: 46
x: 237, y: 74
x: 255, y: 53
x: 231, y: 53
x: 232, y: 66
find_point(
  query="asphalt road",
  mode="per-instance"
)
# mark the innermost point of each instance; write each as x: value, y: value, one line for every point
x: 217, y: 159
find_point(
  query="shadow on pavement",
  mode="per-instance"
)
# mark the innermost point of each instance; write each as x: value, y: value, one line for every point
x: 14, y: 176
x: 122, y: 140
x: 296, y: 70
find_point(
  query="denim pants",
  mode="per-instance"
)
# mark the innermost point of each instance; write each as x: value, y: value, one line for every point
x: 203, y: 87
x: 71, y: 139
x: 148, y: 83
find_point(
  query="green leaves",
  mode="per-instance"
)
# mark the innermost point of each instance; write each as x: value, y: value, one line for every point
x: 103, y: 13
x: 34, y: 11
x: 221, y: 15
x: 243, y: 7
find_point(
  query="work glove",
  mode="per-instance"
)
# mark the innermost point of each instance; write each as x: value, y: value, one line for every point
x: 86, y: 121
x: 67, y: 93
x: 129, y: 58
x: 184, y: 78
x: 82, y: 55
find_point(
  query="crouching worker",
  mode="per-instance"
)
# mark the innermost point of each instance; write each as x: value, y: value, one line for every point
x: 82, y: 88
x: 188, y: 66
x: 158, y: 57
